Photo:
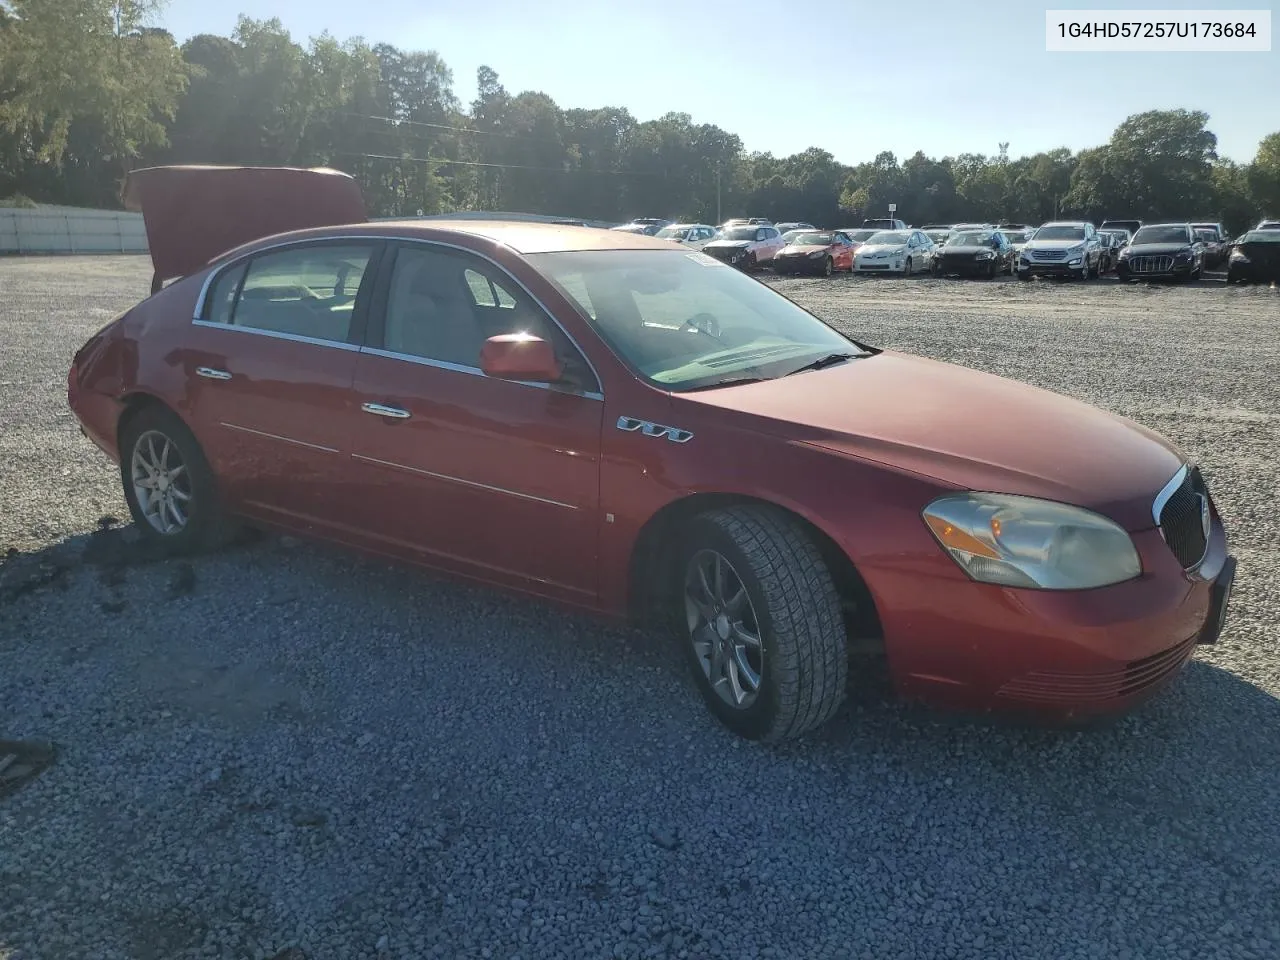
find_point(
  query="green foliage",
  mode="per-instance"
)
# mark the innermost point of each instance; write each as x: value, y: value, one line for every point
x: 89, y: 89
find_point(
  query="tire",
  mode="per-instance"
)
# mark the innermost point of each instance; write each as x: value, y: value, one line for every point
x: 801, y: 662
x: 205, y: 525
x: 828, y: 268
x: 1024, y: 276
x: 907, y: 268
x: 991, y: 270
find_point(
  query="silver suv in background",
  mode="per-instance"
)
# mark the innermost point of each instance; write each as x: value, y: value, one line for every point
x: 1063, y: 248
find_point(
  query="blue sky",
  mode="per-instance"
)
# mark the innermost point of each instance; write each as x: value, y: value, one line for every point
x: 854, y: 78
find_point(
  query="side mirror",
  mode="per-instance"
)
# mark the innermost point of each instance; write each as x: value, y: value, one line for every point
x: 520, y: 356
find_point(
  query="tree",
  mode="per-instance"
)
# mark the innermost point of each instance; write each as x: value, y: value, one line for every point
x: 1264, y: 176
x: 94, y: 62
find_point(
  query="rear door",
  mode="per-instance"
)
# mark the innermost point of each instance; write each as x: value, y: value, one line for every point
x: 492, y: 478
x: 269, y: 367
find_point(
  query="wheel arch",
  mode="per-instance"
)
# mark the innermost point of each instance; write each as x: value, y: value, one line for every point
x: 649, y: 592
x: 134, y: 403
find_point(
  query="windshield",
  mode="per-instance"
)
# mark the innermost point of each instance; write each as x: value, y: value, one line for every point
x: 971, y: 238
x: 684, y: 320
x: 1161, y: 235
x: 816, y: 239
x: 1016, y: 236
x: 738, y: 233
x: 667, y: 233
x: 860, y: 236
x: 1210, y: 236
x: 1262, y: 236
x: 938, y: 236
x: 888, y: 236
x: 1060, y: 233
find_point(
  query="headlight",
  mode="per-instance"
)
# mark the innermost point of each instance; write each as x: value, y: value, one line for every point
x: 818, y: 253
x: 1024, y: 542
x: 1239, y: 257
x: 1125, y: 253
x: 1185, y: 254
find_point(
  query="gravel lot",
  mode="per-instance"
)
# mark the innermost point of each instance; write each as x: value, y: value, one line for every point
x: 280, y: 746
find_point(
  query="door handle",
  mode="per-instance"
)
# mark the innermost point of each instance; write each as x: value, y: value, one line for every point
x: 382, y: 410
x: 213, y: 374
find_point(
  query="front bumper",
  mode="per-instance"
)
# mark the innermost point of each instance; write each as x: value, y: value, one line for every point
x: 1176, y: 271
x: 879, y: 266
x: 965, y: 267
x: 1049, y: 268
x: 799, y: 264
x: 734, y: 257
x: 1060, y: 656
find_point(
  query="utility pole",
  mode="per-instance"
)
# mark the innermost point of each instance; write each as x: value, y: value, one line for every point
x: 718, y: 218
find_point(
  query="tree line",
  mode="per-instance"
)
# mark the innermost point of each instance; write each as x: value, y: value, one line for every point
x: 90, y: 89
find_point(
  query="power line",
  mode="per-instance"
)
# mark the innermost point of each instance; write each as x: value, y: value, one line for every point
x: 452, y: 128
x: 500, y: 166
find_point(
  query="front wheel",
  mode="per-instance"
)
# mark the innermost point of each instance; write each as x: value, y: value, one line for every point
x: 828, y: 268
x: 169, y: 485
x: 762, y: 623
x: 907, y: 268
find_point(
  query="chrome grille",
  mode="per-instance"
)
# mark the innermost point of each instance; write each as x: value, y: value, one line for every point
x: 1182, y: 519
x: 1150, y: 264
x: 1049, y: 254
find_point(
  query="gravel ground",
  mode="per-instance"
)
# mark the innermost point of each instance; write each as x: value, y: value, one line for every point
x: 282, y: 747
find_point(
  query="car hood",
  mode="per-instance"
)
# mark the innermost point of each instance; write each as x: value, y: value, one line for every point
x: 803, y: 250
x: 965, y: 428
x: 194, y: 213
x: 882, y: 248
x: 1051, y: 244
x: 731, y: 244
x: 1155, y: 249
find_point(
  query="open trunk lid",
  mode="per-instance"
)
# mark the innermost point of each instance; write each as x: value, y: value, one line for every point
x: 194, y: 213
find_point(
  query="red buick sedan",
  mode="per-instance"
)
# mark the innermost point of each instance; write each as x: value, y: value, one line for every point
x: 607, y: 421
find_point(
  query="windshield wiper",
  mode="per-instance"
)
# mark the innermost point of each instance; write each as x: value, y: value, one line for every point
x: 830, y: 360
x: 727, y: 382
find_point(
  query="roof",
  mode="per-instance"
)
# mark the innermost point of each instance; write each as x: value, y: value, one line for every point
x: 528, y: 237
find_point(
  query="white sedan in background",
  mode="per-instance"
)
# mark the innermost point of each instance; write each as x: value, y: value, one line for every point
x: 694, y: 235
x: 895, y: 251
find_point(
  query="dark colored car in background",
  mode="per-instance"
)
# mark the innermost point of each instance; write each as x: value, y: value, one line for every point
x: 1108, y: 251
x: 815, y: 251
x: 1216, y: 246
x: 974, y: 253
x: 1255, y: 257
x: 613, y: 422
x: 1162, y: 251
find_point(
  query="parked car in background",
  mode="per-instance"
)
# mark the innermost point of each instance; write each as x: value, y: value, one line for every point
x: 1162, y: 251
x: 1064, y: 248
x: 1119, y: 238
x: 1131, y: 225
x: 885, y: 224
x: 815, y: 251
x: 974, y: 253
x: 778, y: 493
x: 1268, y: 225
x: 1108, y: 251
x: 1255, y: 257
x: 1017, y: 237
x: 643, y: 225
x: 1216, y: 246
x: 695, y: 235
x: 746, y: 247
x: 746, y: 222
x: 894, y: 251
x: 800, y: 225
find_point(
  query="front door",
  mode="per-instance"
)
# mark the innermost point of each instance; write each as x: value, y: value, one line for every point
x: 269, y: 366
x: 492, y: 478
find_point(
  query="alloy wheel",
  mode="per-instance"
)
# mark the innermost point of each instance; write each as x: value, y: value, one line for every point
x: 161, y: 482
x: 723, y: 629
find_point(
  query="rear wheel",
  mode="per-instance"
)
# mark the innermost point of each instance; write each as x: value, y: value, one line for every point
x: 169, y: 485
x: 762, y: 623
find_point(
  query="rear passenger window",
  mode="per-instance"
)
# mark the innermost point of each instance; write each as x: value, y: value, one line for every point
x: 304, y: 292
x: 222, y: 295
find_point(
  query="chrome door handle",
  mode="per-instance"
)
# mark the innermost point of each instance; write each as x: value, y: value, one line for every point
x: 213, y: 374
x: 382, y: 410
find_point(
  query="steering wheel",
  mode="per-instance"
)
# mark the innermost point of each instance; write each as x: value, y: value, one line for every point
x: 703, y: 323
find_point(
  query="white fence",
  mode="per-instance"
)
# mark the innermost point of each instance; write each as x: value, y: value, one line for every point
x: 50, y: 229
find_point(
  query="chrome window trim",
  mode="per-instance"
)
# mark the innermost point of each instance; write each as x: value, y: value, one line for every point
x: 1167, y: 491
x: 278, y: 335
x: 466, y: 483
x: 474, y: 371
x: 384, y: 238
